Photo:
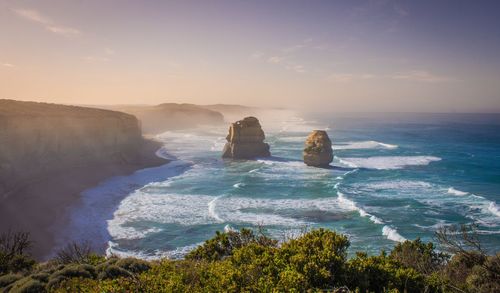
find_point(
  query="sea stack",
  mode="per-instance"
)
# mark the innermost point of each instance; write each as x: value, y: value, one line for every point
x: 318, y: 149
x: 246, y: 140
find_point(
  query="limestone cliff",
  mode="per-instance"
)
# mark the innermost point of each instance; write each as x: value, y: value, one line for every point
x: 246, y: 140
x: 318, y: 149
x: 36, y: 138
x: 171, y: 116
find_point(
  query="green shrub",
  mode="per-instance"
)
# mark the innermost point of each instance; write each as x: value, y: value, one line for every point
x: 246, y: 261
x: 80, y: 253
x: 133, y: 265
x: 76, y: 270
x: 27, y: 285
x: 42, y: 276
x: 223, y: 244
x: 317, y: 258
x: 486, y: 277
x: 84, y: 271
x: 419, y: 256
x: 8, y: 279
x: 113, y: 272
x: 13, y: 252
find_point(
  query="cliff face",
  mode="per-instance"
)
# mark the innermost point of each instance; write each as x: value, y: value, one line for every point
x: 171, y: 116
x: 246, y: 140
x: 318, y: 149
x: 36, y: 138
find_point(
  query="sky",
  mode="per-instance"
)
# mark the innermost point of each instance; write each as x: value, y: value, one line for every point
x: 332, y: 56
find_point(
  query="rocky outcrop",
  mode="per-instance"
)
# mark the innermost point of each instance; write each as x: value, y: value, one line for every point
x: 246, y: 140
x: 38, y: 138
x: 318, y: 149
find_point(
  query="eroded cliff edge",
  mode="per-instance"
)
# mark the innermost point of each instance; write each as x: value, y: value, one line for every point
x: 50, y: 153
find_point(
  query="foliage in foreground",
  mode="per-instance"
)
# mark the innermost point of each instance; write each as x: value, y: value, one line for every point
x: 250, y: 261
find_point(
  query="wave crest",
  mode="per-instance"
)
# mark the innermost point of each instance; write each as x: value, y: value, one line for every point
x: 493, y: 208
x: 392, y: 234
x: 387, y: 162
x: 456, y: 192
x: 357, y: 145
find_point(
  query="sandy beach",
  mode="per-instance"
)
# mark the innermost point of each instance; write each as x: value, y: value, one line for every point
x: 36, y: 207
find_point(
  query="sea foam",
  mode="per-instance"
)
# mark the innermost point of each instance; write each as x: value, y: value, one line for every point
x: 493, y: 208
x: 392, y: 234
x: 211, y: 209
x: 370, y: 144
x: 90, y: 215
x: 351, y: 205
x: 456, y: 192
x: 387, y: 162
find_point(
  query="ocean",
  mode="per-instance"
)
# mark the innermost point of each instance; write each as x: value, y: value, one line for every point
x: 393, y: 178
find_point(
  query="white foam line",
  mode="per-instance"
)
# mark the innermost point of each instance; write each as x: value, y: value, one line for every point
x: 387, y: 162
x: 89, y: 218
x: 177, y: 253
x: 493, y: 208
x: 229, y: 228
x: 239, y: 185
x: 351, y: 205
x: 392, y: 234
x: 389, y: 232
x: 358, y: 145
x: 211, y: 209
x: 456, y: 192
x: 489, y: 206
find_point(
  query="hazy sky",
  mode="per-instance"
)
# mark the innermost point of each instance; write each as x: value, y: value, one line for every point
x: 319, y: 55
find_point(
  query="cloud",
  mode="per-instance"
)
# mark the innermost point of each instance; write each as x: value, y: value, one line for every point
x: 32, y: 15
x: 62, y: 30
x: 348, y: 77
x: 421, y: 76
x: 400, y: 11
x: 257, y: 55
x: 109, y: 51
x: 276, y: 59
x: 285, y: 57
x: 95, y: 59
x: 412, y: 76
x: 8, y: 65
x: 47, y: 23
x: 295, y: 67
x: 286, y: 63
x: 294, y: 48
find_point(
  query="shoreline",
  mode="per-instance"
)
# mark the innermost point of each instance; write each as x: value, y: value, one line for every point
x: 39, y: 206
x: 86, y: 220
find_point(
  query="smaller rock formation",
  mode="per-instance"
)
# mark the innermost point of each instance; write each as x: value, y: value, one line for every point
x: 246, y: 140
x: 318, y: 149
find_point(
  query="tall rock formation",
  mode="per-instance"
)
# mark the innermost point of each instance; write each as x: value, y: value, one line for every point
x: 318, y: 149
x: 246, y: 140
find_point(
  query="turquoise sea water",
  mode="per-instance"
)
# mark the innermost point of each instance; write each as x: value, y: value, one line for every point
x: 392, y: 179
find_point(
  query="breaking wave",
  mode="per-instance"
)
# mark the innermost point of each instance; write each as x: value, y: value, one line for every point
x: 456, y: 192
x: 493, y: 208
x: 392, y: 234
x: 211, y: 209
x: 239, y: 185
x: 351, y: 205
x: 370, y: 144
x: 387, y: 162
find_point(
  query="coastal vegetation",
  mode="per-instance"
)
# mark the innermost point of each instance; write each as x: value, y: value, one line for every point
x: 249, y: 261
